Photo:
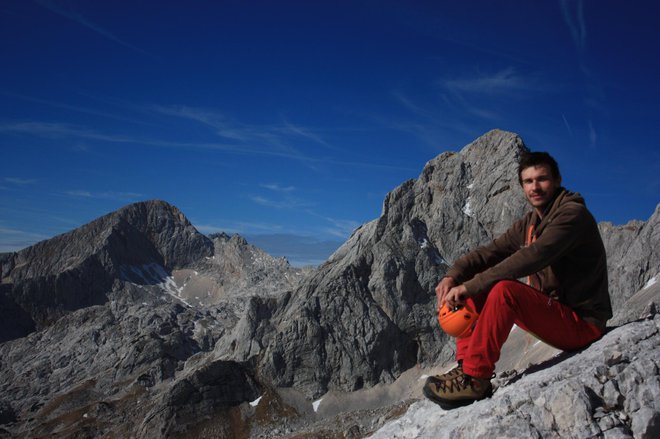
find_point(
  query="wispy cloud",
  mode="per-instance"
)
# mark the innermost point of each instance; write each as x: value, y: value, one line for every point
x: 67, y: 11
x: 240, y: 227
x: 108, y: 195
x: 277, y: 140
x: 461, y: 99
x: 286, y: 203
x: 573, y: 15
x: 215, y: 120
x: 574, y: 19
x: 61, y: 130
x: 20, y: 181
x: 277, y: 188
x: 461, y: 104
x: 304, y: 132
x: 593, y: 137
x: 568, y: 127
x: 79, y: 193
x: 433, y: 121
x: 412, y: 106
x: 74, y: 108
x: 256, y: 142
x: 336, y: 228
x: 12, y: 239
x: 274, y: 134
x: 341, y: 228
x: 67, y: 131
x: 503, y: 82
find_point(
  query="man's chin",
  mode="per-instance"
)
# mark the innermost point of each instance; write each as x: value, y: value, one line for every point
x: 538, y: 204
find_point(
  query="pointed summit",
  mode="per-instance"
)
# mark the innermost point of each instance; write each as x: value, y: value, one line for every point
x: 78, y: 268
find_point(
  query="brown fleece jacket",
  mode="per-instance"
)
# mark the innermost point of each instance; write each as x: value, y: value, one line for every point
x: 566, y: 258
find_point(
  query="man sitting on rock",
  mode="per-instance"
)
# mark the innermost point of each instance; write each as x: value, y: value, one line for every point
x: 558, y: 250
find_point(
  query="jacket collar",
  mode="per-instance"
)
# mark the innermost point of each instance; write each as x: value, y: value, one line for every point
x: 540, y: 222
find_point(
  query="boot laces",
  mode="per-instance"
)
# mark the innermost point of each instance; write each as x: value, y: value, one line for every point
x: 456, y: 384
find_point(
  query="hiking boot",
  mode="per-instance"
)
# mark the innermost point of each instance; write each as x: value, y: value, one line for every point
x: 455, y: 372
x: 458, y: 391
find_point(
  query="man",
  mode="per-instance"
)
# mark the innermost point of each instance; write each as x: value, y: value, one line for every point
x: 557, y: 248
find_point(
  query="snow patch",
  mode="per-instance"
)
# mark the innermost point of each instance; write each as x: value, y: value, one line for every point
x: 438, y: 259
x: 467, y: 209
x: 256, y: 401
x: 470, y: 186
x: 316, y: 404
x: 153, y: 274
x: 651, y: 282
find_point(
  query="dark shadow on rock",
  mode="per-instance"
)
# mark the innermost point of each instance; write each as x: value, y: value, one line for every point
x: 563, y: 356
x: 15, y: 322
x: 537, y: 367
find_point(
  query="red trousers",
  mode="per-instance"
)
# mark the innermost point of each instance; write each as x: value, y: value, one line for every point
x: 510, y: 302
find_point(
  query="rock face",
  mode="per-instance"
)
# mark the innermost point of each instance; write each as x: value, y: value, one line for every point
x: 136, y: 359
x: 77, y: 269
x: 612, y: 389
x: 368, y: 314
x: 243, y: 270
x: 633, y: 256
x: 136, y: 325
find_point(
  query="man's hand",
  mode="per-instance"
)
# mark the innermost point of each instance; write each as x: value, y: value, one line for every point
x: 456, y: 296
x: 448, y: 291
x: 443, y: 288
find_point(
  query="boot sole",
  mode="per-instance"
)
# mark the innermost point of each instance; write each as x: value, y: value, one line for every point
x: 449, y: 404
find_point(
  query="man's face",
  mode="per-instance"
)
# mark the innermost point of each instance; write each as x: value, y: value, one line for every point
x: 539, y: 186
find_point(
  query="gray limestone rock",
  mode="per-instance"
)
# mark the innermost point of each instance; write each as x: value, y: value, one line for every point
x: 379, y: 285
x: 77, y: 269
x: 210, y: 391
x: 106, y: 367
x: 633, y: 256
x: 240, y: 269
x: 368, y: 314
x: 136, y: 325
x: 109, y: 366
x: 611, y: 389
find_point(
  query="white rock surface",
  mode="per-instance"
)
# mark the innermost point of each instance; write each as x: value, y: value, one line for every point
x: 612, y: 389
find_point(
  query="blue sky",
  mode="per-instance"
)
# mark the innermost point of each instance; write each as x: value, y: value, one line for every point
x: 298, y: 117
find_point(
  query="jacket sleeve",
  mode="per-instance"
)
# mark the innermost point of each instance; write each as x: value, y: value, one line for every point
x: 480, y: 259
x: 562, y: 233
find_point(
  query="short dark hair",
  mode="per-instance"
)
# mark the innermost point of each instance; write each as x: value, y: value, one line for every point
x: 529, y: 159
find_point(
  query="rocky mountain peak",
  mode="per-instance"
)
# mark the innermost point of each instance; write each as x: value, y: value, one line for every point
x: 377, y: 289
x: 78, y: 268
x: 139, y: 326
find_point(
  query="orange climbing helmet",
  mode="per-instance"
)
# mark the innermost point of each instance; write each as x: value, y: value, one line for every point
x: 457, y: 322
